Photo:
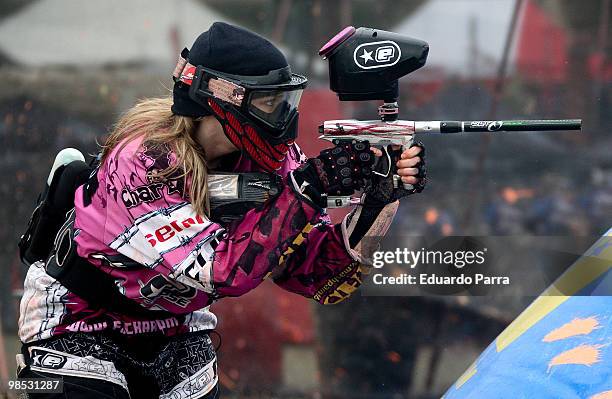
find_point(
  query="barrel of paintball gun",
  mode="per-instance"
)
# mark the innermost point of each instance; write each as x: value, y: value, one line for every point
x: 497, y: 126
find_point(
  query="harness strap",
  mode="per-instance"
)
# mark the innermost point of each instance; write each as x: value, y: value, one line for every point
x: 90, y: 186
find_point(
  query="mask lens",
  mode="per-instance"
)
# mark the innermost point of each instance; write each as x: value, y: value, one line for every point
x: 274, y: 107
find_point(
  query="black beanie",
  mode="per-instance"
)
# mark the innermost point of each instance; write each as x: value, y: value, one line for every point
x: 229, y: 49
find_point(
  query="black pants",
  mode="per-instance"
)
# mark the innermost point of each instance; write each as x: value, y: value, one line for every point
x: 106, y: 366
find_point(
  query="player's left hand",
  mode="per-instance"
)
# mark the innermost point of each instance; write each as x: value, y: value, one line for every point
x: 410, y: 168
x: 408, y: 165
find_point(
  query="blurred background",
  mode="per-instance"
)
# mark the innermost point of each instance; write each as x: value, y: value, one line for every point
x: 68, y: 68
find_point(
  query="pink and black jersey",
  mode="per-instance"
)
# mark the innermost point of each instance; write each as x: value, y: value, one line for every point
x: 144, y: 232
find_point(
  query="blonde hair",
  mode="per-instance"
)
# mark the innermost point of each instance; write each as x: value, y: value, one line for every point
x: 153, y: 120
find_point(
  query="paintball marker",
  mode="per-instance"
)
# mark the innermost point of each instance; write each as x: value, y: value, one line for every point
x: 365, y: 64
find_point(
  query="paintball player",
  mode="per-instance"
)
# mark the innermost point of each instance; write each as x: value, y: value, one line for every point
x: 142, y: 227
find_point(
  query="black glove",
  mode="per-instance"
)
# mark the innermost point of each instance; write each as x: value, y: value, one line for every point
x: 336, y: 171
x: 382, y: 192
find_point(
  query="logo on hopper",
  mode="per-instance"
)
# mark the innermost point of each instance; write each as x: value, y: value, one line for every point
x: 377, y: 54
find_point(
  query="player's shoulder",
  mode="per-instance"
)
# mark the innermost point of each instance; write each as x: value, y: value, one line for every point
x: 126, y: 150
x: 138, y: 154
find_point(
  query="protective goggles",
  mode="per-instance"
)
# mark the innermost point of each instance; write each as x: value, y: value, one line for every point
x: 262, y: 97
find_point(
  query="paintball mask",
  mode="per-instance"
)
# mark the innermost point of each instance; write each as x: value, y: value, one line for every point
x: 256, y: 104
